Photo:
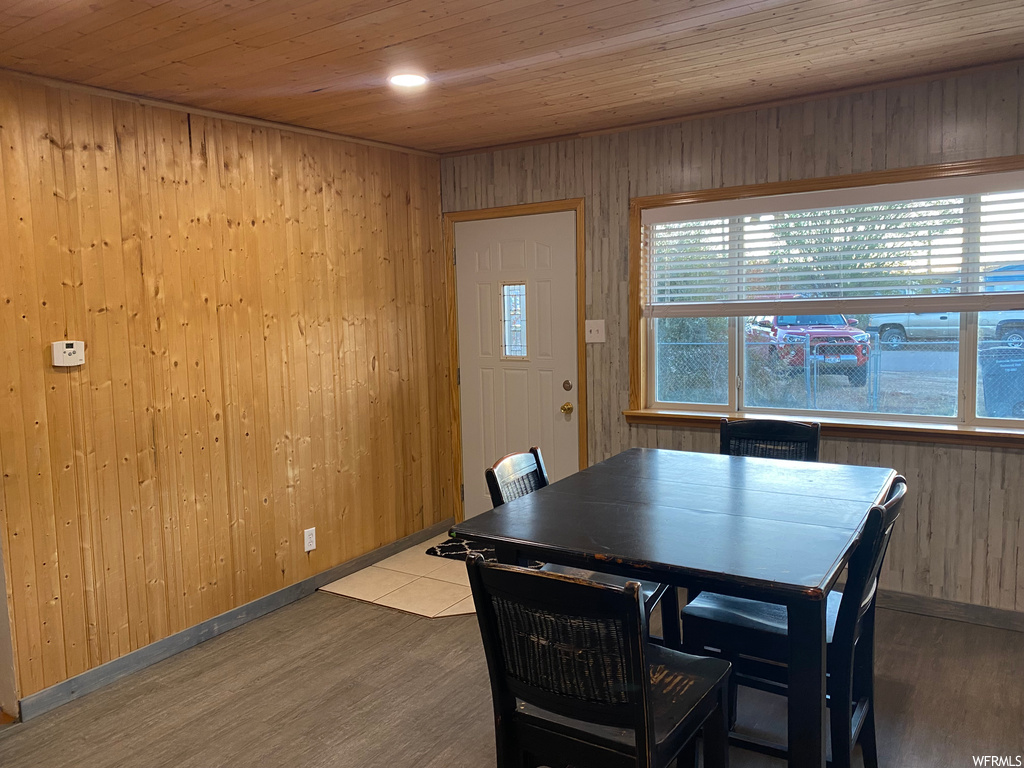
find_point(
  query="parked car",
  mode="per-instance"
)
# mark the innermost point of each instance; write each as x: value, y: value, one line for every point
x: 897, y: 328
x: 836, y: 346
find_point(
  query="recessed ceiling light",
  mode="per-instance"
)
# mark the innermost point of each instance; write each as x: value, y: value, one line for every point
x: 407, y: 80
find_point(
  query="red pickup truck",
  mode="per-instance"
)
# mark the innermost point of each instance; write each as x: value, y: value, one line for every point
x: 832, y: 340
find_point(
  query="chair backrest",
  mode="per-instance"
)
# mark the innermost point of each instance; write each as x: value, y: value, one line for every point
x: 866, y: 563
x: 770, y: 439
x: 567, y: 645
x: 516, y: 475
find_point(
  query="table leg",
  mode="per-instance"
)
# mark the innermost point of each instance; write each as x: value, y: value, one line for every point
x: 807, y: 684
x: 508, y: 556
x: 670, y: 619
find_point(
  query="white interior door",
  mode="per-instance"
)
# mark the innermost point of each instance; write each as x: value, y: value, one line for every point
x: 515, y: 282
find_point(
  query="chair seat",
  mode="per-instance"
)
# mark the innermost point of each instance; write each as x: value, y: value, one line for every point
x: 680, y: 683
x: 650, y: 591
x: 753, y: 614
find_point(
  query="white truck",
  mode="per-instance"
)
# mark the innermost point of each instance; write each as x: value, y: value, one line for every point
x: 897, y: 328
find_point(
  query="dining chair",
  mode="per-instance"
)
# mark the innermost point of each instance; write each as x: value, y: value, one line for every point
x: 766, y: 439
x: 770, y: 439
x: 518, y: 474
x: 574, y: 681
x: 754, y: 637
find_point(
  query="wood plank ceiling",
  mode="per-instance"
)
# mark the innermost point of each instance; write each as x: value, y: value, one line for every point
x: 502, y: 71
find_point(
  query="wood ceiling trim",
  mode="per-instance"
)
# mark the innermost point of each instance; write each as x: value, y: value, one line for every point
x: 789, y: 93
x: 211, y: 113
x: 651, y: 104
x: 658, y: 106
x: 773, y: 104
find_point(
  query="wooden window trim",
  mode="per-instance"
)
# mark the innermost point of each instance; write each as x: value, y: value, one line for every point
x: 867, y: 430
x: 638, y: 413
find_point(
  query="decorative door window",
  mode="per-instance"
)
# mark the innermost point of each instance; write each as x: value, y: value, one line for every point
x: 513, y: 320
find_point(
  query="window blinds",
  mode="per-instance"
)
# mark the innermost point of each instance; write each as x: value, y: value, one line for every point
x: 950, y: 252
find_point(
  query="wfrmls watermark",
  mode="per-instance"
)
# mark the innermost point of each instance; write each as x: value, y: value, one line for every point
x: 999, y: 761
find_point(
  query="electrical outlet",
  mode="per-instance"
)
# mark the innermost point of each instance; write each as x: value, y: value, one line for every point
x: 310, y: 539
x: 595, y: 331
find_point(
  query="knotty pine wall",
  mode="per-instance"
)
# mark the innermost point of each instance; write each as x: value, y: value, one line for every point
x: 8, y: 675
x: 961, y: 536
x: 266, y: 351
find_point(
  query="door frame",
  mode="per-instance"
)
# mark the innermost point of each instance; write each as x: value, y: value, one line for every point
x: 505, y: 212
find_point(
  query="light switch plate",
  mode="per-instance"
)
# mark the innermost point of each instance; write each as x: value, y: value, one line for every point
x: 595, y: 331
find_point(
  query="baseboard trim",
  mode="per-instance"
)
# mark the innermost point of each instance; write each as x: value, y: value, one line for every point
x: 999, y: 618
x: 98, y: 677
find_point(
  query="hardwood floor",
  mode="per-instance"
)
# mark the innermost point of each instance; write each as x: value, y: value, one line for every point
x: 330, y: 681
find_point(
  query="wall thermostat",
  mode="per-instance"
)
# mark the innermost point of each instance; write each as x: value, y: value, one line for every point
x: 68, y: 353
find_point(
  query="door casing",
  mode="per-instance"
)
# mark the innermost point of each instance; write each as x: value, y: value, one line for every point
x: 508, y: 211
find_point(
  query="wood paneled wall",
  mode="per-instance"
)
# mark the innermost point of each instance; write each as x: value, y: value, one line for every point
x: 962, y: 532
x: 8, y: 675
x: 266, y: 351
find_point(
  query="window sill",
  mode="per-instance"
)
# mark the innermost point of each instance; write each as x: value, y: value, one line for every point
x: 880, y: 430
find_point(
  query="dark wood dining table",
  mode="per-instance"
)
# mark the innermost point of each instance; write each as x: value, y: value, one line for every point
x: 765, y: 529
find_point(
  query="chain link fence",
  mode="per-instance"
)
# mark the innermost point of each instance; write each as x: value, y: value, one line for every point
x: 693, y: 372
x: 919, y: 378
x: 913, y: 378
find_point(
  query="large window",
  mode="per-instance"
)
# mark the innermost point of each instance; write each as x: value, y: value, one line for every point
x: 892, y: 302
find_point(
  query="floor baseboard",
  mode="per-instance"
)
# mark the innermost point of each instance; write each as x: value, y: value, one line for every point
x: 93, y: 679
x: 950, y: 609
x: 98, y: 677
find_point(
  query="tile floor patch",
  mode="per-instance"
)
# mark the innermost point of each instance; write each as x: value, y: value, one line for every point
x: 415, y: 561
x: 462, y: 608
x: 369, y: 584
x: 425, y: 596
x: 411, y: 581
x: 453, y: 571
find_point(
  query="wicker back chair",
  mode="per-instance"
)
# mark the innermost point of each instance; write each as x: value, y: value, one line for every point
x: 769, y: 439
x: 574, y: 681
x: 516, y: 475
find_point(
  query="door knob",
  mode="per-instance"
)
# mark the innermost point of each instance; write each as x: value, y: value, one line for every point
x: 566, y: 408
